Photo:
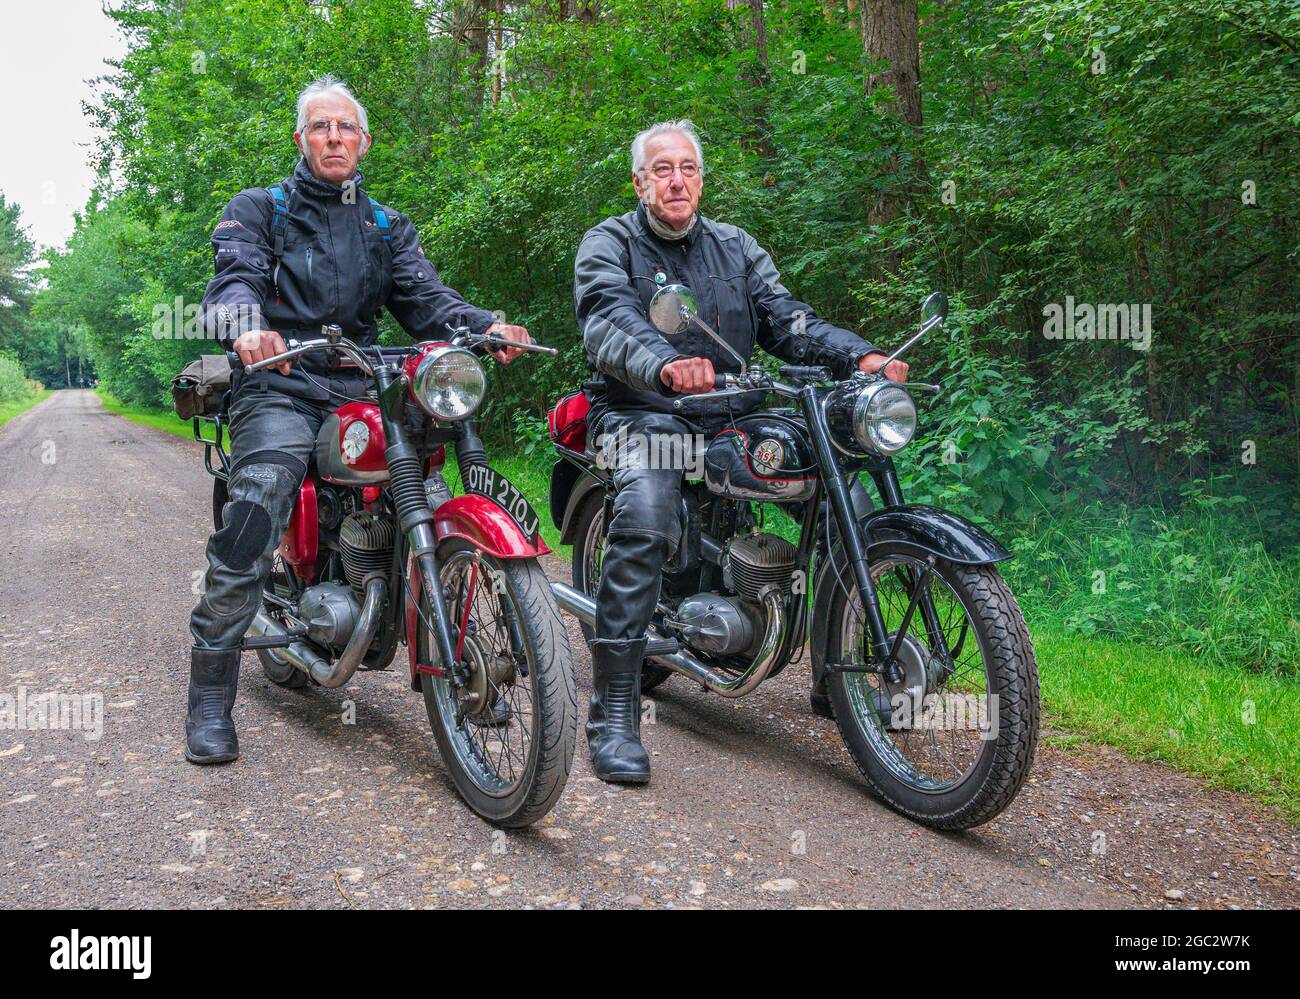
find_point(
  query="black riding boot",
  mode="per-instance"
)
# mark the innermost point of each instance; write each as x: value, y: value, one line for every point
x: 209, y: 731
x: 614, y: 718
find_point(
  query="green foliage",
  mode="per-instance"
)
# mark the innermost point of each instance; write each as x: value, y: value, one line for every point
x: 1196, y: 579
x: 15, y: 386
x: 1118, y: 152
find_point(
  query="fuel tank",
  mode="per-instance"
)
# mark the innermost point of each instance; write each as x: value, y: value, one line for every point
x: 350, y: 446
x: 763, y: 456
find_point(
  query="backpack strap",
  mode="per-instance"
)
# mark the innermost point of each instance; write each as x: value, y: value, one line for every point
x: 279, y: 220
x: 381, y: 217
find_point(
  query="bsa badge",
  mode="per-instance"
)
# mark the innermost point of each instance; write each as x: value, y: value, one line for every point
x: 768, y: 456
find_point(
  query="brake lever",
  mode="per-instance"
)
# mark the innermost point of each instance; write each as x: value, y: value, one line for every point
x: 535, y: 348
x: 679, y: 404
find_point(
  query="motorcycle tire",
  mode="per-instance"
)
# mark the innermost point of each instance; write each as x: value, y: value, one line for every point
x: 1010, y: 671
x: 553, y: 709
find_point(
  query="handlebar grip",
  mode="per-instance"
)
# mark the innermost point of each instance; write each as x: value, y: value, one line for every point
x: 805, y: 372
x: 719, y: 380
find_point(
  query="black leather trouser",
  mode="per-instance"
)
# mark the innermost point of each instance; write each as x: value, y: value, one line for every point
x: 272, y: 436
x: 644, y: 451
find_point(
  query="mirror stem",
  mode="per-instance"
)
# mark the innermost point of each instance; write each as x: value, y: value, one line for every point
x: 688, y: 314
x: 925, y: 328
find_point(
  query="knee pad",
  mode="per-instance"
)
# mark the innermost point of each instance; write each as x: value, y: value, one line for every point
x: 247, y: 533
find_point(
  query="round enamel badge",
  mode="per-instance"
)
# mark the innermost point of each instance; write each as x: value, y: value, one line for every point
x: 768, y: 456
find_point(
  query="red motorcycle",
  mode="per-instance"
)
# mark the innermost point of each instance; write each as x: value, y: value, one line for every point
x: 378, y: 552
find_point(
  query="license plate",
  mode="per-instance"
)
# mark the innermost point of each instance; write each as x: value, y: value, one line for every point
x: 490, y: 483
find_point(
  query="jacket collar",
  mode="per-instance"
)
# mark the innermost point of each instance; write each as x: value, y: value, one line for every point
x: 308, y: 183
x: 692, y: 234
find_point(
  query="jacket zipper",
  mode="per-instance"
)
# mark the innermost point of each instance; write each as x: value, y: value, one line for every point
x: 309, y: 265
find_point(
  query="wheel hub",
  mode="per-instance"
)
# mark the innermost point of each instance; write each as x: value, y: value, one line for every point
x: 489, y: 673
x: 900, y: 702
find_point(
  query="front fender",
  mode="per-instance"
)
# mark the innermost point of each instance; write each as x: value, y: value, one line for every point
x: 485, y: 524
x: 914, y: 529
x: 932, y: 531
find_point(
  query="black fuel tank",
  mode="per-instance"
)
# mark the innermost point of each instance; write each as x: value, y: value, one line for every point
x: 763, y: 456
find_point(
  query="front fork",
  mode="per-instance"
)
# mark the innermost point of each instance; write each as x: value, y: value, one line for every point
x: 883, y: 652
x: 413, y: 512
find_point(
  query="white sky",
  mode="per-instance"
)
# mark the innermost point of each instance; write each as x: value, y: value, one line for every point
x: 48, y: 50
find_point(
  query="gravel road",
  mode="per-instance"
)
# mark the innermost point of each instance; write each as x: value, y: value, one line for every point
x: 753, y: 803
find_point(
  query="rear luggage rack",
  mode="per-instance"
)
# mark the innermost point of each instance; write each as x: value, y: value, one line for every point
x: 217, y: 440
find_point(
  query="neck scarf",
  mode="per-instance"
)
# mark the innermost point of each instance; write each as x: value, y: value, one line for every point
x: 664, y: 231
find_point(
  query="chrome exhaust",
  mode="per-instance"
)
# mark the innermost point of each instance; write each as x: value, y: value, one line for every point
x: 300, y: 655
x: 583, y: 608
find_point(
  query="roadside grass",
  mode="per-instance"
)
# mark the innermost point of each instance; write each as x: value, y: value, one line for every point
x: 1231, y: 727
x: 9, y: 410
x: 160, y: 419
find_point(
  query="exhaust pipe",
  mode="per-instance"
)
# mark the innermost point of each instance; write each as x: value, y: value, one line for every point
x: 583, y: 608
x: 302, y: 656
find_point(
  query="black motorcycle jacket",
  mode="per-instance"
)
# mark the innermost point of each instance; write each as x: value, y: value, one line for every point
x: 339, y: 265
x: 738, y: 292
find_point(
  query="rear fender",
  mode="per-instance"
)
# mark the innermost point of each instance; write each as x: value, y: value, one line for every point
x: 575, y: 497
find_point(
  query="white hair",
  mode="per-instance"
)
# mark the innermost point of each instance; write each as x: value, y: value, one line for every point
x: 684, y: 127
x: 329, y: 84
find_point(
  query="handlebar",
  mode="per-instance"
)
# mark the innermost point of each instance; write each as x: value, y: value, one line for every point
x: 298, y: 348
x: 728, y: 383
x: 357, y: 355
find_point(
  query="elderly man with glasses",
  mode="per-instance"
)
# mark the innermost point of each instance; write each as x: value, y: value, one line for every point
x: 313, y: 250
x: 637, y: 375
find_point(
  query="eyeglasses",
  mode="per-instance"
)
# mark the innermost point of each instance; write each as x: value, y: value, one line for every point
x: 347, y: 129
x: 665, y: 170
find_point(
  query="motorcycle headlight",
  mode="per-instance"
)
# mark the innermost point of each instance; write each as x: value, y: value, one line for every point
x: 884, y: 418
x: 449, y: 383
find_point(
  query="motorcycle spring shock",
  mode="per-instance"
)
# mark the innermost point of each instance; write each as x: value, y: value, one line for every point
x: 407, y: 487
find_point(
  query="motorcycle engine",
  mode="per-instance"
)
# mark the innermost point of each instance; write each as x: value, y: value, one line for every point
x: 365, y: 546
x: 330, y: 611
x: 759, y: 560
x: 725, y: 625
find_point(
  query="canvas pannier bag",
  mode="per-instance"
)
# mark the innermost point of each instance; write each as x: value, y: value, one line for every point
x: 200, y: 388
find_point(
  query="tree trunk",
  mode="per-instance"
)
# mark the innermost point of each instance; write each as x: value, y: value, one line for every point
x: 499, y: 55
x: 889, y: 35
x: 755, y: 37
x: 471, y: 27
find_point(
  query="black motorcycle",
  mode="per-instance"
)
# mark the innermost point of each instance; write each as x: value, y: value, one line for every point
x: 926, y: 661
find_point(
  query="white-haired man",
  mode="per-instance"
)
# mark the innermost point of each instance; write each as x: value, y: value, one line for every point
x: 638, y: 373
x: 311, y: 250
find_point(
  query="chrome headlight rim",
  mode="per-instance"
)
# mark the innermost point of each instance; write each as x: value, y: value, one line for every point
x: 426, y: 391
x: 865, y: 412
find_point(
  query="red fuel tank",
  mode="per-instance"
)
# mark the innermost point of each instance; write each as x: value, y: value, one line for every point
x: 350, y: 446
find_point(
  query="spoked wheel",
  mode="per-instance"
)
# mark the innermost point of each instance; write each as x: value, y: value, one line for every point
x: 588, y: 555
x: 283, y: 583
x: 277, y: 670
x: 950, y: 739
x: 507, y: 734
